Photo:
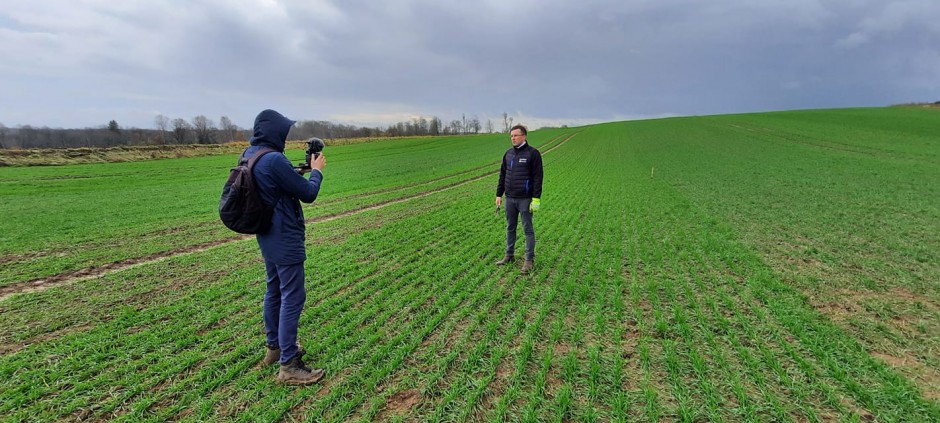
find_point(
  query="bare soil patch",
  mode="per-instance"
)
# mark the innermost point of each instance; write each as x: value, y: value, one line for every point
x: 927, y: 378
x: 12, y: 258
x: 13, y: 348
x: 96, y: 271
x: 400, y: 403
x: 843, y: 305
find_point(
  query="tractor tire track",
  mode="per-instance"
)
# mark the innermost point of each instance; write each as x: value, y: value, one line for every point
x: 70, y: 277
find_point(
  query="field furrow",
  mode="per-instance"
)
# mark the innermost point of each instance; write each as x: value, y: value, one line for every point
x: 767, y: 267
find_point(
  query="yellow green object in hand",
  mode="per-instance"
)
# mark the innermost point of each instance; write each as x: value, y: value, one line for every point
x: 534, y: 205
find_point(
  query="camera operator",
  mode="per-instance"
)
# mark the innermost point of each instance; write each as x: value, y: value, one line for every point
x: 282, y: 247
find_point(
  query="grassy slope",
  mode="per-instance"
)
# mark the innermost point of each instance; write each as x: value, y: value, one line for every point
x: 64, y: 218
x: 843, y: 204
x: 663, y: 297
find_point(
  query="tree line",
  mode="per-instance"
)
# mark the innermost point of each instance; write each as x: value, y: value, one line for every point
x: 204, y: 130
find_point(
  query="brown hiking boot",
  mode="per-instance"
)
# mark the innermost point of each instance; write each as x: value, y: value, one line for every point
x: 273, y: 354
x: 527, y: 266
x: 295, y: 372
x: 506, y: 260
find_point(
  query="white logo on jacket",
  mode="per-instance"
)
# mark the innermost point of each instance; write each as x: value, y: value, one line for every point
x: 522, y: 160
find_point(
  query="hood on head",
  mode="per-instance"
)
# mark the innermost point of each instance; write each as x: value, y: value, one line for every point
x: 271, y: 130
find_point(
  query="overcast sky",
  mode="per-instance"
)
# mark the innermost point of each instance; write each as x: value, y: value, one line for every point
x: 75, y: 64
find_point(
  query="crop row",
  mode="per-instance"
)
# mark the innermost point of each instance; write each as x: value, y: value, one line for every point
x: 647, y: 303
x: 66, y: 219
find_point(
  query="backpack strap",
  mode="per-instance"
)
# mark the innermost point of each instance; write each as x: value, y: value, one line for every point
x: 251, y: 168
x: 251, y: 160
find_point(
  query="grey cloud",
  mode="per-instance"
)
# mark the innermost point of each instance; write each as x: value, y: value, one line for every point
x: 550, y: 60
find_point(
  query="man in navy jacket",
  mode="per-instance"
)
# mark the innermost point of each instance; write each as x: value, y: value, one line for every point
x: 520, y: 178
x: 283, y: 245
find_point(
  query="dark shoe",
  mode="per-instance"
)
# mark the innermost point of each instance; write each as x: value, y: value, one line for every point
x: 273, y: 354
x: 506, y: 260
x: 527, y: 266
x: 295, y: 372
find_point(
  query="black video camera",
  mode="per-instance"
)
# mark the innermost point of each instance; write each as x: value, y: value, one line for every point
x: 314, y: 147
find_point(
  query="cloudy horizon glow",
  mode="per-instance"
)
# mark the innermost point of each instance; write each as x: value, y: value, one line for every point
x: 547, y: 63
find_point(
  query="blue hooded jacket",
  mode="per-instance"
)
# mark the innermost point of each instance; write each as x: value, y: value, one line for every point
x: 282, y: 186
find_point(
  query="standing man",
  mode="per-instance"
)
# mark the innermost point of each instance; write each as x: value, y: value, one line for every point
x: 520, y: 178
x: 283, y: 245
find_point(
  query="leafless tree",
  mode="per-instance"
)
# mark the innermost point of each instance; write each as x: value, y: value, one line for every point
x: 162, y: 123
x: 454, y: 128
x: 474, y: 125
x: 27, y: 136
x: 507, y: 122
x: 180, y: 130
x: 229, y: 129
x: 60, y: 138
x: 489, y: 126
x: 203, y: 127
x: 325, y: 129
x: 421, y: 126
x: 202, y: 130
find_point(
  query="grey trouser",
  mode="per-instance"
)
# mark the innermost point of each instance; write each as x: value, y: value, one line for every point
x: 515, y: 207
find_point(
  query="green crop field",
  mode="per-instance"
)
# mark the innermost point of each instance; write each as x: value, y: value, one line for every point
x: 757, y: 267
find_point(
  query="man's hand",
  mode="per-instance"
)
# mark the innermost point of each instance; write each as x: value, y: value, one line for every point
x: 534, y: 205
x: 319, y: 162
x: 499, y: 201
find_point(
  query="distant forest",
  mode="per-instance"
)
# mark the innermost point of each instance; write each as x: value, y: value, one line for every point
x: 202, y: 130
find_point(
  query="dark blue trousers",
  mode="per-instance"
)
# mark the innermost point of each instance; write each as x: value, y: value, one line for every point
x: 283, y: 302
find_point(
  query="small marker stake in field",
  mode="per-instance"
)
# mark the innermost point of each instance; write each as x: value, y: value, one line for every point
x: 651, y: 171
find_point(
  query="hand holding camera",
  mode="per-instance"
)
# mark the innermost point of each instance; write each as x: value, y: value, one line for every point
x: 313, y: 159
x: 319, y: 162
